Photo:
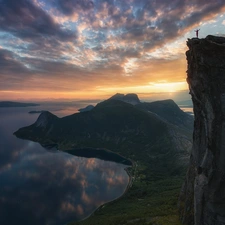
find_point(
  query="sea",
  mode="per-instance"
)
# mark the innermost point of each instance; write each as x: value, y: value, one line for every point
x: 39, y: 186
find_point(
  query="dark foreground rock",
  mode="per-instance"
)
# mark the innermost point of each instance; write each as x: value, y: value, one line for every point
x: 202, y: 200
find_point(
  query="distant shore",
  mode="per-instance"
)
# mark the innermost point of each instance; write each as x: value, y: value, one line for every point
x: 16, y: 104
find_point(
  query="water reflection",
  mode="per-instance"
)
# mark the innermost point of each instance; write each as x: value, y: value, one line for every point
x: 42, y: 187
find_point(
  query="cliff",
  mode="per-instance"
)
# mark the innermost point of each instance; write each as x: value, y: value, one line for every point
x: 16, y: 104
x: 202, y: 199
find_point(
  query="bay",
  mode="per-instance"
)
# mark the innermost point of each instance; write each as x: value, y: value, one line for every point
x: 38, y: 186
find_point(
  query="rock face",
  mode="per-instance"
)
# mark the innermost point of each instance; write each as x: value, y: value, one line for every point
x: 202, y: 199
x: 45, y: 119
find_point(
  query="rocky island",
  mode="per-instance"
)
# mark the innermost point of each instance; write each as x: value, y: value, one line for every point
x: 202, y: 200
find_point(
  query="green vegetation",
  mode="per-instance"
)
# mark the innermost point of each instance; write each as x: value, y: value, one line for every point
x: 154, y: 142
x: 148, y: 201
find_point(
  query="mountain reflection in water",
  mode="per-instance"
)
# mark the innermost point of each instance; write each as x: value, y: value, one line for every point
x: 50, y: 188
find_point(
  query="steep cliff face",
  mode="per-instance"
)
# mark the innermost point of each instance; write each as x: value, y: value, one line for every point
x: 202, y: 200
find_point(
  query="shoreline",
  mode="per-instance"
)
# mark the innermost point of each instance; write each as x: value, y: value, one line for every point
x: 129, y: 185
x: 99, y: 153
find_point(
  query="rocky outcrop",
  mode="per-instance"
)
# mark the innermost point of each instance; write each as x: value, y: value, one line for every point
x: 202, y: 199
x: 128, y: 98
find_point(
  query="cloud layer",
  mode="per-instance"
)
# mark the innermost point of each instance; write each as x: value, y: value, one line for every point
x: 78, y: 44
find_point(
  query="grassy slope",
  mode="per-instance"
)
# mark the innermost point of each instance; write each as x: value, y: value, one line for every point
x: 152, y: 199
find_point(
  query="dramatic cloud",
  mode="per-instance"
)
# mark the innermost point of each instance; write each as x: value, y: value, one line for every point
x: 70, y: 6
x: 108, y: 42
x: 9, y: 64
x: 25, y: 20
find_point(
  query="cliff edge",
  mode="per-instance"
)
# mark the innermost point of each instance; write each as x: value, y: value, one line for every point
x: 202, y: 199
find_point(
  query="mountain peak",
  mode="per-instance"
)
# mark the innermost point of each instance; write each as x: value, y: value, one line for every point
x: 45, y: 118
x: 130, y: 98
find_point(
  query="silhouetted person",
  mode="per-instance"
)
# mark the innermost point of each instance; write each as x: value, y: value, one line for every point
x: 196, y: 31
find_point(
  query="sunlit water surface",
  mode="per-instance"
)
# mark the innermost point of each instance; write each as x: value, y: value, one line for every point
x: 42, y: 187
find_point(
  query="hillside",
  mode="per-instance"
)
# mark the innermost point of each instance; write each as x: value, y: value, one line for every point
x: 169, y: 111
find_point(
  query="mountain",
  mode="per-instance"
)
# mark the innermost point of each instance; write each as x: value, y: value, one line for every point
x: 128, y: 98
x: 86, y: 109
x: 45, y: 121
x: 169, y: 111
x: 202, y: 198
x: 118, y: 126
x: 16, y: 104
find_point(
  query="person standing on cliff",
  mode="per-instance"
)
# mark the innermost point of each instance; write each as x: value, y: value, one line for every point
x: 196, y: 31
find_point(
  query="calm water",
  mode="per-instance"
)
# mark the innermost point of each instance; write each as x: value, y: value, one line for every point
x: 187, y: 109
x: 42, y: 187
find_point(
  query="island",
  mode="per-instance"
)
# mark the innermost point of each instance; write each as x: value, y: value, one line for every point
x: 16, y: 104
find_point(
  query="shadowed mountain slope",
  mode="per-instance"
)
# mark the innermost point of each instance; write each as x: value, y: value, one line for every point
x: 169, y: 111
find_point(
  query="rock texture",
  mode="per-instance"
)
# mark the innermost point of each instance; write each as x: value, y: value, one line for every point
x: 202, y: 199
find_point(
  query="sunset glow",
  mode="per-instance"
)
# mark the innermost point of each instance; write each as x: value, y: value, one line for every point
x: 92, y: 49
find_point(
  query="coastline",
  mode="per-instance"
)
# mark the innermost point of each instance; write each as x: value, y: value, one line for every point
x: 100, y: 153
x: 129, y: 185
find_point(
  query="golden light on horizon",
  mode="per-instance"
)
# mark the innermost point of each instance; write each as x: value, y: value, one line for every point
x: 153, y: 87
x: 100, y: 92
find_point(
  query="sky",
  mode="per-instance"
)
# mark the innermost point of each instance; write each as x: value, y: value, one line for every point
x: 83, y: 49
